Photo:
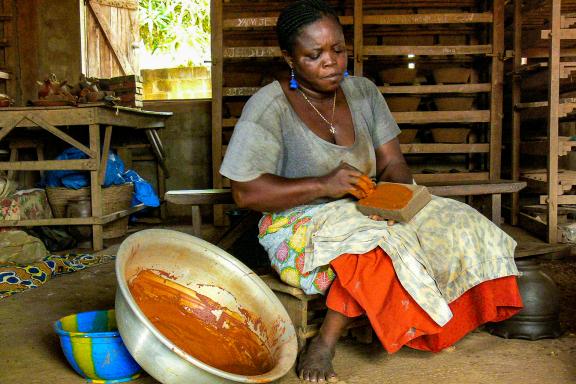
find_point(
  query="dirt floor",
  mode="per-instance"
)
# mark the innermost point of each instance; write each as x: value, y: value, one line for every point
x: 30, y: 351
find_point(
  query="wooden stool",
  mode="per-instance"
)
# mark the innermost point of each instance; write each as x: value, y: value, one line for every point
x: 16, y: 144
x: 307, y: 312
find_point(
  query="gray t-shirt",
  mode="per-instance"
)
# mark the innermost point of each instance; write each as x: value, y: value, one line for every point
x: 271, y: 138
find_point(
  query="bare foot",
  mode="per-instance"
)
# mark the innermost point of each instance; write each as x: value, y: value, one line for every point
x: 315, y: 362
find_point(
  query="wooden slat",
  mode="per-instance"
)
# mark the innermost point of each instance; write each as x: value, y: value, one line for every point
x: 4, y: 75
x: 120, y: 214
x: 250, y: 52
x: 50, y: 165
x: 516, y: 98
x: 358, y: 38
x: 36, y: 119
x: 425, y: 178
x: 429, y: 18
x: 264, y: 22
x: 436, y: 88
x: 199, y: 196
x: 110, y: 35
x: 105, y: 152
x: 554, y: 114
x: 95, y: 187
x: 425, y: 117
x: 444, y: 148
x: 562, y: 199
x: 47, y: 222
x: 468, y: 188
x: 497, y: 94
x: 216, y: 20
x: 565, y: 34
x: 423, y: 50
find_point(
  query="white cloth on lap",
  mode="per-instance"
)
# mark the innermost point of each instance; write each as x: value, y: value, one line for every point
x: 445, y: 250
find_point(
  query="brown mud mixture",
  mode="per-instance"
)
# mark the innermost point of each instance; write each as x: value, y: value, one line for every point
x: 199, y: 326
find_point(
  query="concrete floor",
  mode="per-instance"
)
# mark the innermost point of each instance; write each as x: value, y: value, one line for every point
x: 30, y: 351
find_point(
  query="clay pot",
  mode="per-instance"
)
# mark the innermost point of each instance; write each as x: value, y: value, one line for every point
x: 235, y: 108
x: 539, y: 319
x: 244, y: 79
x: 80, y: 207
x: 450, y: 135
x: 454, y: 103
x: 407, y: 136
x: 403, y: 103
x: 399, y: 75
x: 453, y: 75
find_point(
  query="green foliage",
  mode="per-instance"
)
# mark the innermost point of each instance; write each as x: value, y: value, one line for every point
x: 180, y: 28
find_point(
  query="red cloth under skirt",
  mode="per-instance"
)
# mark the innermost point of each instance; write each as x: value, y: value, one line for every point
x: 367, y: 284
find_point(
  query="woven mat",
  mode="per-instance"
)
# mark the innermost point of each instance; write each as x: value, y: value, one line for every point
x: 18, y: 278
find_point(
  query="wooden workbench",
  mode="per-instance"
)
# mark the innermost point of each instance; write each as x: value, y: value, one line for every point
x: 90, y: 117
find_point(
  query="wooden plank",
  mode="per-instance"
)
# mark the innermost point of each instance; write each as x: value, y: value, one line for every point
x: 423, y: 50
x: 264, y: 22
x: 250, y: 52
x: 542, y: 52
x: 563, y: 199
x: 96, y: 188
x: 199, y: 196
x: 38, y: 120
x: 565, y: 34
x: 429, y: 18
x: 358, y: 38
x: 427, y: 117
x: 47, y: 222
x: 426, y: 178
x: 120, y: 214
x: 239, y: 91
x: 444, y: 148
x: 516, y: 98
x: 127, y: 4
x: 119, y: 53
x: 436, y: 88
x: 468, y: 188
x: 217, y: 46
x: 105, y: 152
x: 553, y: 116
x: 9, y: 124
x: 497, y: 94
x: 275, y: 284
x: 50, y: 165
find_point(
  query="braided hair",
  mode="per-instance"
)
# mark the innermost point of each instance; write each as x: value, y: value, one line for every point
x: 296, y: 16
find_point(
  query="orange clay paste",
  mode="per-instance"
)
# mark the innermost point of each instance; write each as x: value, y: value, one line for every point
x: 199, y: 326
x: 388, y: 196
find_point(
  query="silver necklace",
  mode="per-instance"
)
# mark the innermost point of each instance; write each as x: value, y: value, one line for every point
x: 329, y: 123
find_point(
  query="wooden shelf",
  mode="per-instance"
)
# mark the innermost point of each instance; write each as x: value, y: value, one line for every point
x: 425, y: 50
x: 539, y: 109
x: 540, y: 147
x: 444, y: 148
x: 436, y: 88
x: 424, y: 178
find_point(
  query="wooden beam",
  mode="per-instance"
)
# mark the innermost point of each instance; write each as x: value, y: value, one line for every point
x: 436, y: 88
x: 426, y: 50
x: 553, y: 116
x: 199, y: 196
x: 36, y: 119
x: 427, y: 117
x: 468, y: 188
x: 358, y: 38
x: 216, y: 20
x: 425, y: 178
x: 444, y: 148
x: 497, y: 94
x: 10, y: 125
x: 118, y: 51
x: 429, y: 18
x: 516, y: 99
x: 105, y: 151
x: 50, y: 165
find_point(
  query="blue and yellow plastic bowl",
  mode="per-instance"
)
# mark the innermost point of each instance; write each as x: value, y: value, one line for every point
x: 93, y: 346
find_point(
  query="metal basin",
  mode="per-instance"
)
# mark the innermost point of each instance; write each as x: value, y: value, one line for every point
x: 212, y: 272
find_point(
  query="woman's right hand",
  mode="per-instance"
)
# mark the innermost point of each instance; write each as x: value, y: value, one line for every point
x: 342, y: 180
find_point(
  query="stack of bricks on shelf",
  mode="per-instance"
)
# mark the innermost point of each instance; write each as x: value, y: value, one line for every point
x: 127, y: 88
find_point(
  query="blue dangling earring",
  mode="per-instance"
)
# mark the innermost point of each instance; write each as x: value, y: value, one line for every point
x: 346, y: 73
x: 293, y: 82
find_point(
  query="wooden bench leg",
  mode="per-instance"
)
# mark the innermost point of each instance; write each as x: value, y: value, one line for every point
x: 196, y: 221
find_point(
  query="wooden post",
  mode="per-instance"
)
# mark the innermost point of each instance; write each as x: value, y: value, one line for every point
x: 96, y: 189
x: 496, y: 98
x: 358, y: 38
x: 216, y: 18
x: 104, y: 157
x: 516, y: 89
x: 553, y: 102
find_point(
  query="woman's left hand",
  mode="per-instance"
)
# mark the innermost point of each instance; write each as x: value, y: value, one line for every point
x: 380, y: 218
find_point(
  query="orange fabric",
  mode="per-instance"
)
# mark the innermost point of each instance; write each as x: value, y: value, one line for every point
x: 368, y: 284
